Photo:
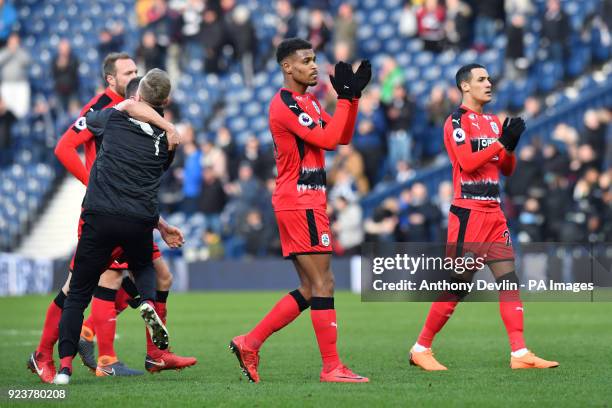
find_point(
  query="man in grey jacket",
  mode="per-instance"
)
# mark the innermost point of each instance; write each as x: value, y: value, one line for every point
x: 14, y: 84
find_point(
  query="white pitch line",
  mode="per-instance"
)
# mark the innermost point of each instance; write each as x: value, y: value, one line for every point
x: 16, y: 332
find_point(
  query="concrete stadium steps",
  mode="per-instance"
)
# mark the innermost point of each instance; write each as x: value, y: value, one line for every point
x: 55, y: 233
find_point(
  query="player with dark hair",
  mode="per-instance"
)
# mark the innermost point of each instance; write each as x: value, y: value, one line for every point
x: 156, y: 360
x: 479, y: 148
x: 301, y: 131
x: 132, y: 88
x: 111, y: 296
x: 120, y: 211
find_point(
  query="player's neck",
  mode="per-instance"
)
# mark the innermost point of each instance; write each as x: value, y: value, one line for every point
x: 113, y: 90
x: 296, y: 87
x: 472, y: 105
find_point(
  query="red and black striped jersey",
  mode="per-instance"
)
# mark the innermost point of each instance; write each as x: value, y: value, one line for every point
x: 78, y: 134
x: 301, y: 131
x: 471, y: 142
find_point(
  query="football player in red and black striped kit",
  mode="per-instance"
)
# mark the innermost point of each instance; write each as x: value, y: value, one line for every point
x: 113, y: 292
x: 302, y: 131
x: 479, y: 148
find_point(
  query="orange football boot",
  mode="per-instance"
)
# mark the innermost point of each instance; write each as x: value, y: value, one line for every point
x: 425, y: 360
x: 341, y: 374
x: 530, y: 360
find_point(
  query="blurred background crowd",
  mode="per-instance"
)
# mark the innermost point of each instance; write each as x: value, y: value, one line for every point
x: 550, y: 61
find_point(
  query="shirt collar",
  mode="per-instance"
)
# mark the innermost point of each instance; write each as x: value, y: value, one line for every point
x: 304, y: 95
x: 470, y: 110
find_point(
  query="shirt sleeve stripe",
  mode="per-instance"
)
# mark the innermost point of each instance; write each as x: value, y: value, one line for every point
x: 293, y: 106
x: 456, y: 118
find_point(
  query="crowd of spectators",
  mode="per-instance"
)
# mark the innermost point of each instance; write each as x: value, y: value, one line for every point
x: 230, y: 181
x: 560, y: 192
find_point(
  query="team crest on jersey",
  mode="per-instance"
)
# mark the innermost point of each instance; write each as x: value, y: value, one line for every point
x: 81, y: 123
x: 494, y: 128
x: 325, y: 239
x: 305, y: 119
x: 316, y: 107
x: 459, y: 135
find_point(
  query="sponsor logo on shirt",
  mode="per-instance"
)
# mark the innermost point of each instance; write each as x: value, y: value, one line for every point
x: 481, y: 143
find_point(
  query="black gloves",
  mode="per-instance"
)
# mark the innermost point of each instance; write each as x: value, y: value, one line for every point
x: 342, y: 80
x: 348, y: 85
x: 362, y: 77
x: 512, y: 130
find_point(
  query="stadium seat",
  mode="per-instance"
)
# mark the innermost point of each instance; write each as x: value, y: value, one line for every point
x: 198, y: 93
x: 424, y: 59
x: 415, y: 45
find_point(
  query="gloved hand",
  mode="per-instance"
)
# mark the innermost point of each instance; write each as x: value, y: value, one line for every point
x: 362, y: 77
x: 342, y: 81
x: 512, y: 130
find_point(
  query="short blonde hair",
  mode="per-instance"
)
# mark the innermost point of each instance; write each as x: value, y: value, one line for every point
x: 155, y: 87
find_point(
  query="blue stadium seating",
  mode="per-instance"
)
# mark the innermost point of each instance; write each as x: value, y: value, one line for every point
x: 197, y: 94
x: 25, y: 185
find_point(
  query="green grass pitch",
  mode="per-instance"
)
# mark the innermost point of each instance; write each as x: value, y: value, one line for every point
x: 374, y: 339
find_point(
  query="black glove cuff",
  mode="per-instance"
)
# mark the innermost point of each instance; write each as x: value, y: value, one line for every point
x: 506, y: 140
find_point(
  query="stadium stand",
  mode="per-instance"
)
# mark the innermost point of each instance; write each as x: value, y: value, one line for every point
x: 215, y: 95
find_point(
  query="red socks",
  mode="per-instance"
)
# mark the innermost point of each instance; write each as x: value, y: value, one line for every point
x: 511, y: 311
x: 50, y: 332
x: 323, y: 317
x: 121, y: 303
x: 160, y: 309
x: 283, y: 313
x: 89, y: 325
x: 105, y: 320
x: 66, y: 362
x: 121, y: 300
x: 439, y: 313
